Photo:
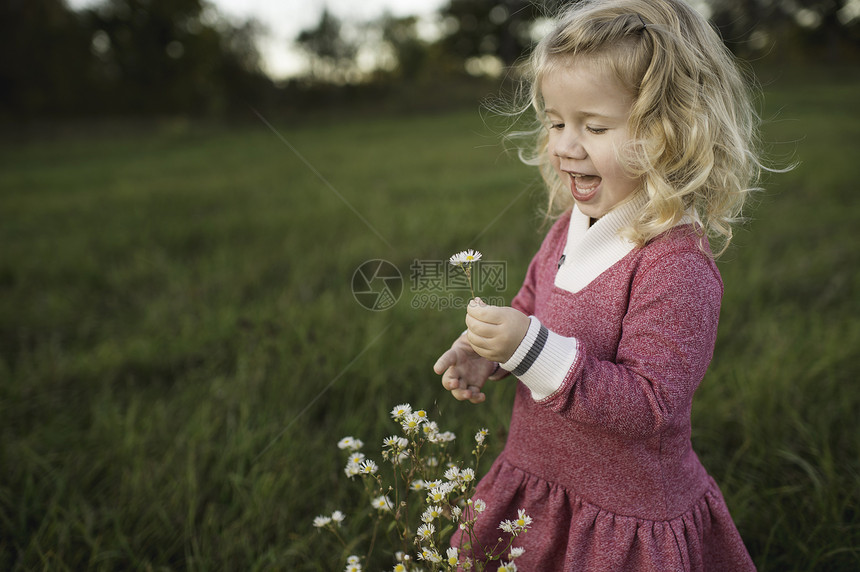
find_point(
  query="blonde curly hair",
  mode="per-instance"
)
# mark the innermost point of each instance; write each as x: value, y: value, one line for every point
x: 693, y: 125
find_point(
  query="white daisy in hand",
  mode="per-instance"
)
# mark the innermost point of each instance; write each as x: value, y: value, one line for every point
x: 465, y: 257
x: 464, y: 260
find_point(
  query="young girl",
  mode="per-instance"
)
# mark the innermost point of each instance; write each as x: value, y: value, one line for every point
x: 646, y: 148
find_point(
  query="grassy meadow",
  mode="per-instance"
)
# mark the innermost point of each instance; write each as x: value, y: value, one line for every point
x: 180, y: 349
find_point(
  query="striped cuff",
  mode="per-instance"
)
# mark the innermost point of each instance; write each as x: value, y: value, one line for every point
x: 523, y: 349
x: 542, y: 360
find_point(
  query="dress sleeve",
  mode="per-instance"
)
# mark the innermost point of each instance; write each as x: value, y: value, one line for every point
x: 524, y: 301
x: 550, y: 249
x: 667, y: 342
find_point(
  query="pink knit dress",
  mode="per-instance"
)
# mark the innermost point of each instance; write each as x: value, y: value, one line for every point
x: 599, y: 451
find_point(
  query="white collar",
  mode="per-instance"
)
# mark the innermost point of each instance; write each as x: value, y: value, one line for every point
x: 591, y: 250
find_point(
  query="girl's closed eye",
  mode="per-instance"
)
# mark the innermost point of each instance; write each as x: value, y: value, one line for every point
x: 596, y: 130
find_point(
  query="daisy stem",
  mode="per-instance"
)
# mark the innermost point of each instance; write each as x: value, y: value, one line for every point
x: 468, y: 270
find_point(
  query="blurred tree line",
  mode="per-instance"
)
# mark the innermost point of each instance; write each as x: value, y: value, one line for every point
x: 181, y: 56
x: 125, y: 57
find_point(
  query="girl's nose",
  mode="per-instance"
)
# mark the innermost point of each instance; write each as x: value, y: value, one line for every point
x: 568, y: 146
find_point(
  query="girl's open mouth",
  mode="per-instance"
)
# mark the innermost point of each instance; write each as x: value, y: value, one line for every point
x: 584, y: 187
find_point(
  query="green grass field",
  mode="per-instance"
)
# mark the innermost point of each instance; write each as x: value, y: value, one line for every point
x: 180, y: 350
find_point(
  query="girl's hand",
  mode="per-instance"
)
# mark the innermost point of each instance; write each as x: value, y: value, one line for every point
x: 495, y: 331
x: 464, y: 372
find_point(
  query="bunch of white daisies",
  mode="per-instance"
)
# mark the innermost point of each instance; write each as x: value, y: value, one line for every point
x: 431, y: 495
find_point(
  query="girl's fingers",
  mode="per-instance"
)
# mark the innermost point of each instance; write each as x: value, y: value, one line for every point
x: 484, y: 313
x: 484, y: 329
x: 478, y: 342
x: 473, y: 326
x: 475, y: 311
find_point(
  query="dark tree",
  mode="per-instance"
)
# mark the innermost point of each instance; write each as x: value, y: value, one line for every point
x: 125, y: 56
x: 409, y: 50
x: 500, y: 28
x: 44, y: 56
x: 332, y: 56
x: 802, y: 29
x: 174, y: 55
